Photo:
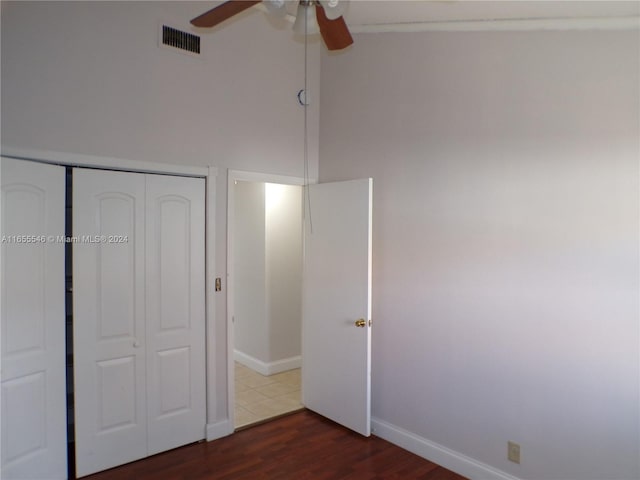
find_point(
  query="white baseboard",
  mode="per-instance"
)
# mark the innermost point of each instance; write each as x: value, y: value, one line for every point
x: 219, y: 429
x: 265, y: 368
x: 443, y: 456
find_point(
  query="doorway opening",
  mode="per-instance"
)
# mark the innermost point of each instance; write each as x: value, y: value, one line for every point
x: 260, y: 398
x: 264, y: 297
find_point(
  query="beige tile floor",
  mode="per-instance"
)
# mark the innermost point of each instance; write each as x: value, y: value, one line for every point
x: 259, y: 398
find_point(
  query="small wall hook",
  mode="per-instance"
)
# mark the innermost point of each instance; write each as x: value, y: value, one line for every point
x: 303, y: 98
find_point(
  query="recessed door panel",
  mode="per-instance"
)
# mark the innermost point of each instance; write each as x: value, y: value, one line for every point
x: 33, y: 393
x: 24, y: 293
x: 174, y: 249
x: 24, y: 397
x: 116, y: 393
x: 173, y: 389
x: 116, y: 267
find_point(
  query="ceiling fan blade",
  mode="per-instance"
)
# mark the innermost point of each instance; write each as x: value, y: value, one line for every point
x: 335, y: 33
x: 222, y: 12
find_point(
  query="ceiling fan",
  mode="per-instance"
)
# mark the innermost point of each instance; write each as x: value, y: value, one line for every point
x: 312, y: 16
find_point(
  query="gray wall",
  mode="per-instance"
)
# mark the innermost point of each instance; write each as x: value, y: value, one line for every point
x: 283, y: 226
x: 267, y: 260
x: 505, y: 249
x: 251, y: 328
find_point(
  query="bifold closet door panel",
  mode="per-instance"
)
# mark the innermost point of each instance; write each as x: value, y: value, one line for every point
x: 109, y: 318
x: 139, y: 315
x: 175, y: 310
x: 33, y: 398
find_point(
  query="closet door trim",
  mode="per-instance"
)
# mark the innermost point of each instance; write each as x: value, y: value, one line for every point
x: 107, y: 163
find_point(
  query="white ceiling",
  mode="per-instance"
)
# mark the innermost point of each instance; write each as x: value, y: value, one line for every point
x: 417, y: 15
x: 385, y: 12
x: 386, y: 15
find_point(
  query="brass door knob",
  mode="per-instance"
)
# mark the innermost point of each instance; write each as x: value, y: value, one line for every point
x: 361, y: 322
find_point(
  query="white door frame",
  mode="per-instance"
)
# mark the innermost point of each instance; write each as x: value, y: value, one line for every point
x: 233, y: 176
x: 209, y: 174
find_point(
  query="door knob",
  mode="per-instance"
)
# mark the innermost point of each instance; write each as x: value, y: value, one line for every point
x: 136, y: 344
x: 361, y: 322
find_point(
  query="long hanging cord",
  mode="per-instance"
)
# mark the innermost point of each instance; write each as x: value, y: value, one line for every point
x: 307, y: 210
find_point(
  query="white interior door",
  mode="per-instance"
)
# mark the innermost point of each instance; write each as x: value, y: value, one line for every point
x: 34, y: 436
x: 336, y: 353
x: 109, y: 319
x: 139, y: 315
x: 175, y: 311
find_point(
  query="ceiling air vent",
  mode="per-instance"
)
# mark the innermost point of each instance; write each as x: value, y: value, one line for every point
x: 184, y: 41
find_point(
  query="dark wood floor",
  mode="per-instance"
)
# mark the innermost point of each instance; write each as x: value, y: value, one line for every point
x: 299, y: 446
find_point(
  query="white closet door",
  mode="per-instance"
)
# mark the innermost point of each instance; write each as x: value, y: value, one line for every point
x: 109, y: 318
x: 139, y: 315
x: 175, y: 311
x: 34, y: 437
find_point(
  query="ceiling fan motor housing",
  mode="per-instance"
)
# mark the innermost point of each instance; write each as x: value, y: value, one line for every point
x: 324, y: 16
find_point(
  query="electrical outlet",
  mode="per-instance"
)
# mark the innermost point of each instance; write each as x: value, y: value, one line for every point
x: 513, y: 452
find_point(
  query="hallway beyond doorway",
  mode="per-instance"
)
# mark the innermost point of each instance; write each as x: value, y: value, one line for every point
x: 260, y: 397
